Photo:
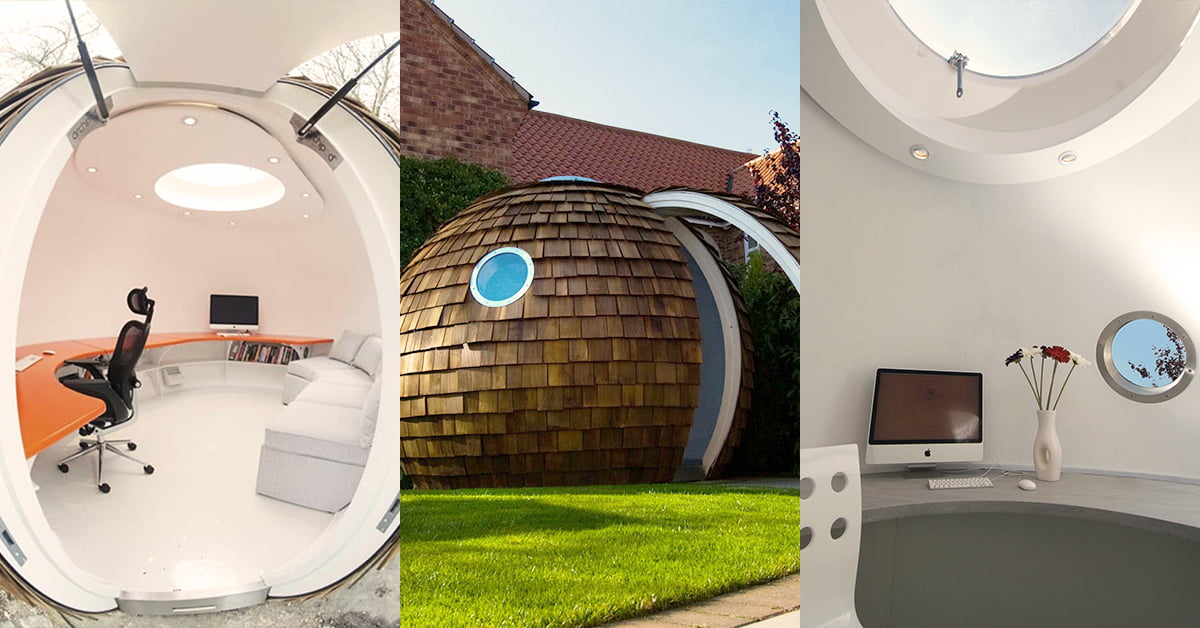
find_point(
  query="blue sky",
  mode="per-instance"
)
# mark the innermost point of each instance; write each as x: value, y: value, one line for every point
x: 1011, y: 37
x: 707, y: 71
x: 1135, y: 342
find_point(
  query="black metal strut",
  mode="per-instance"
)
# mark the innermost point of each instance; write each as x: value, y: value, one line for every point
x: 88, y: 68
x: 341, y: 93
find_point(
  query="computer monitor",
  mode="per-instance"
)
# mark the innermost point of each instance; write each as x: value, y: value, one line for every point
x: 925, y: 417
x: 233, y: 312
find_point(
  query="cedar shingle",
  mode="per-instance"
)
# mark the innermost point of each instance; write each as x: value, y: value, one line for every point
x: 591, y: 376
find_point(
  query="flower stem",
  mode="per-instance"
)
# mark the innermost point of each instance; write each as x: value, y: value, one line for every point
x: 1050, y: 391
x: 1030, y: 382
x: 1037, y: 385
x: 1042, y: 383
x: 1064, y: 386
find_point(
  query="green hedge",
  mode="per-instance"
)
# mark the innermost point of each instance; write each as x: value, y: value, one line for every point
x: 433, y: 191
x: 771, y: 442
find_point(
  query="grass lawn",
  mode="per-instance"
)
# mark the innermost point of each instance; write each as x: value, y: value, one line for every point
x: 582, y: 556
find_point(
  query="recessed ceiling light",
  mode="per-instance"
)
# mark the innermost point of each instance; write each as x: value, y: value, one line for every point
x: 91, y: 169
x: 137, y: 196
x: 306, y: 215
x: 187, y: 213
x: 304, y: 195
x: 919, y: 152
x: 273, y: 160
x: 189, y: 121
x: 1067, y: 158
x: 231, y: 223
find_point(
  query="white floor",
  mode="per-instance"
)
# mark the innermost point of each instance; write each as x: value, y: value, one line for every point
x: 196, y: 522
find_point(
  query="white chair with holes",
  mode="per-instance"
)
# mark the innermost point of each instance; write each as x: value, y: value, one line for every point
x: 830, y: 531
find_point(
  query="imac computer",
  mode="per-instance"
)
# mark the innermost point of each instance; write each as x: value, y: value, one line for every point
x: 921, y: 418
x: 232, y: 313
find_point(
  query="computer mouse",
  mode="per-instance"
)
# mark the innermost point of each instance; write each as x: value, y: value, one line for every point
x: 1027, y: 484
x: 49, y: 352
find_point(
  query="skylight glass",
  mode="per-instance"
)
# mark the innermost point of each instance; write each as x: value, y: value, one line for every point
x: 220, y: 175
x: 217, y: 187
x: 1012, y: 38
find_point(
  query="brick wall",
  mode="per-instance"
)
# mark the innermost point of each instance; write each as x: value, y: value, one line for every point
x: 731, y: 245
x: 452, y: 103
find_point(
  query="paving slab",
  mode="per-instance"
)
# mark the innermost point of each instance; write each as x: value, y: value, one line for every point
x: 786, y: 620
x: 740, y: 608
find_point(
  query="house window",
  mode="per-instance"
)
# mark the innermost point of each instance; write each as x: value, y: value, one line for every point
x: 750, y: 245
x: 502, y: 276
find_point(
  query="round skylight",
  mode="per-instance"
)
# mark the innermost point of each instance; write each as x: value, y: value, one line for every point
x: 1011, y: 38
x: 567, y: 178
x: 219, y: 187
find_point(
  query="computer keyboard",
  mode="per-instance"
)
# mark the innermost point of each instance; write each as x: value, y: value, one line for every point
x: 27, y: 361
x: 973, y: 482
x: 232, y: 334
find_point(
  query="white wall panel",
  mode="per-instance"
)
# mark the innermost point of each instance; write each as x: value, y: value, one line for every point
x: 904, y: 269
x: 312, y: 278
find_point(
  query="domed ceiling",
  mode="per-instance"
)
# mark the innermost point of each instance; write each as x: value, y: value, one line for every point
x: 876, y: 75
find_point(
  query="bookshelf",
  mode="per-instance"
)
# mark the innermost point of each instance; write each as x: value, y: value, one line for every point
x: 203, y: 362
x: 266, y: 352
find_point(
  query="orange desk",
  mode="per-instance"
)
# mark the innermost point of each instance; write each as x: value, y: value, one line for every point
x: 49, y: 411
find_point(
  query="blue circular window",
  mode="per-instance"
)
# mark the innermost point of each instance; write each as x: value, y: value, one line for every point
x: 502, y: 276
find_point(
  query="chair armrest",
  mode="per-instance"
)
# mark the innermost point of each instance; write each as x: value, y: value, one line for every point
x: 92, y: 365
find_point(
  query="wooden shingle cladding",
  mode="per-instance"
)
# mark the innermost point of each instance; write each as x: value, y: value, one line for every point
x: 590, y: 378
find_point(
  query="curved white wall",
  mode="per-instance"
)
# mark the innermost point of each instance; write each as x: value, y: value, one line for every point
x: 905, y: 269
x: 35, y: 153
x: 312, y: 278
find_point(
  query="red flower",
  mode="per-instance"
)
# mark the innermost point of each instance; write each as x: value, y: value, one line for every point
x: 1057, y: 353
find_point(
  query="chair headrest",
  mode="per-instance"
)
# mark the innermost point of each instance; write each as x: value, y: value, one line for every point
x: 139, y: 303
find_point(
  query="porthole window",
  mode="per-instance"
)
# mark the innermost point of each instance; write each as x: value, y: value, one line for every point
x: 502, y: 276
x: 1146, y: 357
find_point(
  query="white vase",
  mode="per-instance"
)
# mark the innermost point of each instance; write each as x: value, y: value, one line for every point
x: 1047, y: 451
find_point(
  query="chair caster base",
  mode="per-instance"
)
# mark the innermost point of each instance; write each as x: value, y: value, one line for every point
x: 104, y: 488
x: 63, y: 468
x: 148, y: 469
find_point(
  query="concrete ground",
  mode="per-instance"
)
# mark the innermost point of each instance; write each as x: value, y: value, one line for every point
x: 372, y: 603
x: 771, y: 602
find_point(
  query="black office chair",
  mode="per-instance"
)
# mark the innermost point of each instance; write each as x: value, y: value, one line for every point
x: 112, y: 381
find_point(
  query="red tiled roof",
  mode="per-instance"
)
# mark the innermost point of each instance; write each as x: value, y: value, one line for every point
x: 743, y: 178
x: 550, y: 145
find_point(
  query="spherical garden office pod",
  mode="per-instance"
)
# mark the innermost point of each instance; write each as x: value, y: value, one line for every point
x: 49, y: 127
x: 566, y: 333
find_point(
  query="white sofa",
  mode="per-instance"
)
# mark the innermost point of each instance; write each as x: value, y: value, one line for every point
x: 314, y: 451
x: 353, y: 361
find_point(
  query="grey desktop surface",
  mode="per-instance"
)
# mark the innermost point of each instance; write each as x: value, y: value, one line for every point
x: 1153, y: 505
